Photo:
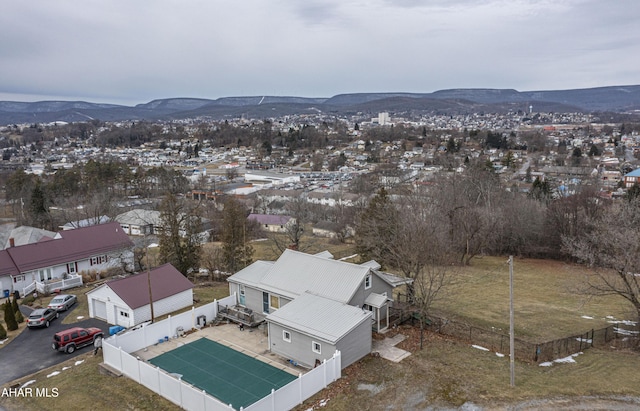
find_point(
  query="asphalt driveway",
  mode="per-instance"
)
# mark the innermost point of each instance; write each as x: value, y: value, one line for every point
x: 31, y: 351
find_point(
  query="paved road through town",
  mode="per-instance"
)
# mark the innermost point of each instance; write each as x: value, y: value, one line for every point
x: 31, y: 351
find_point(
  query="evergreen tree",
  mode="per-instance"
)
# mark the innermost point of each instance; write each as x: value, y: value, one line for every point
x: 376, y: 228
x: 16, y: 310
x: 3, y: 332
x: 14, y: 304
x: 237, y: 253
x: 19, y: 317
x: 10, y: 317
x: 541, y: 190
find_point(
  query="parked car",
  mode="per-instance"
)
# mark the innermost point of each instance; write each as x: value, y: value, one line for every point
x: 73, y: 338
x: 41, y: 317
x: 62, y: 302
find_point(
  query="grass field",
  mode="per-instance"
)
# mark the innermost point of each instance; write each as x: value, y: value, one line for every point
x: 546, y: 303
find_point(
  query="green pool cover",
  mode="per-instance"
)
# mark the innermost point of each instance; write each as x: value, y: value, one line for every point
x: 230, y: 376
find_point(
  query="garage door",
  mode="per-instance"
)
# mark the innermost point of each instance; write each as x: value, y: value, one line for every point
x: 100, y: 309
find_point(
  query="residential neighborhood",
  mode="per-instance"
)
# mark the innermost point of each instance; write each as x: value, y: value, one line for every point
x: 143, y: 233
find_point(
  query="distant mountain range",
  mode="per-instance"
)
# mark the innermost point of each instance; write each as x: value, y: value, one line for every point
x: 613, y: 99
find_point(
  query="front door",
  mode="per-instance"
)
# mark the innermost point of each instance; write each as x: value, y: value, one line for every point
x: 242, y: 295
x: 265, y: 302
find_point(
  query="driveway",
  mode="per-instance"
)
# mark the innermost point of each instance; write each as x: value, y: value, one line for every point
x: 31, y: 351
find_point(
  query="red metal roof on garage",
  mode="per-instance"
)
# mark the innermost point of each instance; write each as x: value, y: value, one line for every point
x: 166, y: 281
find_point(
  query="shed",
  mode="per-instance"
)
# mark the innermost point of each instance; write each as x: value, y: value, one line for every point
x: 311, y: 328
x: 126, y: 301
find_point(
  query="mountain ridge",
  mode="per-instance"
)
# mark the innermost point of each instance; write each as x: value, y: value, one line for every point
x: 615, y: 99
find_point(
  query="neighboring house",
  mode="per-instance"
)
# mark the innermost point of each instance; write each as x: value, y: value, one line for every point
x: 269, y: 287
x: 23, y: 235
x: 266, y: 177
x: 85, y: 222
x: 140, y: 222
x: 273, y: 223
x: 57, y: 263
x: 330, y: 229
x: 126, y: 301
x: 632, y: 178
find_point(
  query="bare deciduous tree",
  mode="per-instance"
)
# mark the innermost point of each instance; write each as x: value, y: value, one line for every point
x: 612, y: 247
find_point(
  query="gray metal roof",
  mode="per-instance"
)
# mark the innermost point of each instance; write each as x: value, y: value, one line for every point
x: 376, y: 300
x: 319, y: 317
x: 253, y: 274
x: 392, y: 279
x: 295, y: 272
x: 324, y: 254
x: 372, y: 264
x: 140, y: 217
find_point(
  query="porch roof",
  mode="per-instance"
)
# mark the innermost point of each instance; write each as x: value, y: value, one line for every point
x: 376, y: 300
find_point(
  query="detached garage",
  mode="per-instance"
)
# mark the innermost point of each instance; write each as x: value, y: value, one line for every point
x: 125, y: 301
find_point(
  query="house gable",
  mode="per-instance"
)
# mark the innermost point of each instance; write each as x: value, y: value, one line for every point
x: 165, y: 282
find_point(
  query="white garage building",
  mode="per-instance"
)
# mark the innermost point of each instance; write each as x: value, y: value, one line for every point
x: 125, y: 301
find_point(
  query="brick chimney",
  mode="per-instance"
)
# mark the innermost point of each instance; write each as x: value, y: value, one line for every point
x: 12, y: 242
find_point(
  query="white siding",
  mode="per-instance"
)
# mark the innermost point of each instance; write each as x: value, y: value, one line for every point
x: 164, y: 306
x: 110, y: 299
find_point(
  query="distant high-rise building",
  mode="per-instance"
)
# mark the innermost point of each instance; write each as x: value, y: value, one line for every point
x: 383, y: 118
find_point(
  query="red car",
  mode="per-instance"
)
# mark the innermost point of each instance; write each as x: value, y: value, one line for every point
x: 73, y: 338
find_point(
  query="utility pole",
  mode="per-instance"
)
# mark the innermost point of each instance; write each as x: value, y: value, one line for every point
x: 146, y: 250
x: 511, y: 337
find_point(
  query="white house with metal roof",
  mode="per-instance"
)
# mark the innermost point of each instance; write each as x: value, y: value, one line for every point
x: 269, y: 288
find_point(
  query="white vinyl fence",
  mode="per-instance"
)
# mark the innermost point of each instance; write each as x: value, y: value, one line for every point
x: 117, y: 349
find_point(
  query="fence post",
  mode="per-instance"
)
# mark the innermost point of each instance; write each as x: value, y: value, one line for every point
x: 273, y: 400
x: 324, y: 372
x: 300, y: 400
x: 580, y: 341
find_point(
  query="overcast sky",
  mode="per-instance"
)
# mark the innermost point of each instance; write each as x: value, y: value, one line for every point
x: 134, y: 51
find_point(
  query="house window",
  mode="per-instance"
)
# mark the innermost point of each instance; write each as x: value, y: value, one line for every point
x: 286, y: 335
x: 315, y: 346
x: 71, y: 268
x: 275, y: 301
x: 98, y: 260
x: 367, y: 282
x: 44, y: 274
x: 18, y: 278
x: 124, y: 314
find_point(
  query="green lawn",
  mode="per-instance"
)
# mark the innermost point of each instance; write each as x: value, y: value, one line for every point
x: 546, y: 303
